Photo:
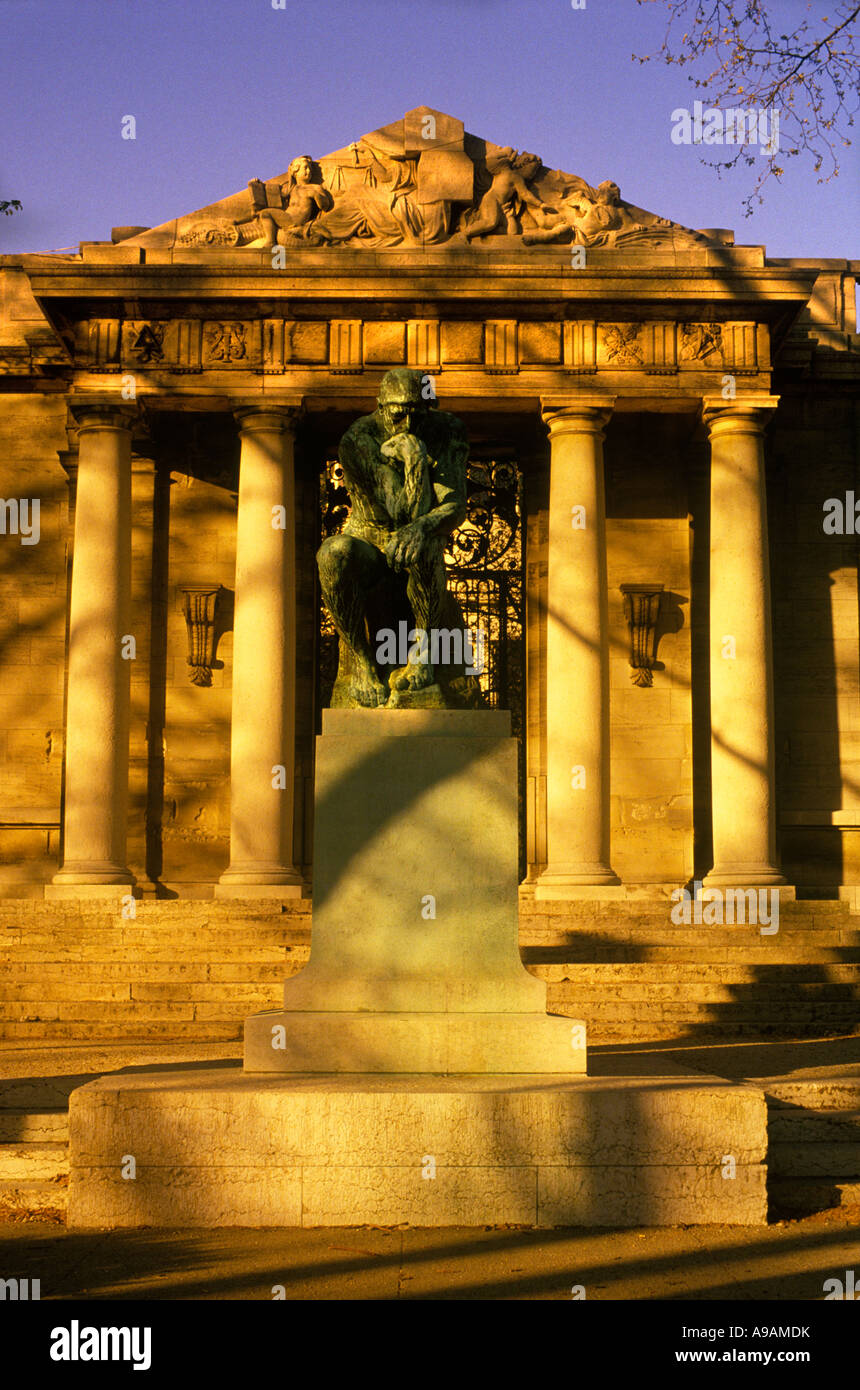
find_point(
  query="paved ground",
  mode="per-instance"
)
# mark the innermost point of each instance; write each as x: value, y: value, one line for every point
x: 784, y: 1261
x: 787, y: 1261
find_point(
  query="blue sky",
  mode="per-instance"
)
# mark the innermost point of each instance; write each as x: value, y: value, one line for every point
x: 226, y: 90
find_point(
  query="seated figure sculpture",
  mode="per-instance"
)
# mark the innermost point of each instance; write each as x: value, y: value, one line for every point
x: 404, y: 469
x: 304, y: 199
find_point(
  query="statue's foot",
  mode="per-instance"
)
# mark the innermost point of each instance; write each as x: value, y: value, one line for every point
x: 367, y: 689
x: 416, y: 677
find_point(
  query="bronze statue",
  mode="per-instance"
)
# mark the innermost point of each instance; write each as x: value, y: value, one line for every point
x: 405, y: 470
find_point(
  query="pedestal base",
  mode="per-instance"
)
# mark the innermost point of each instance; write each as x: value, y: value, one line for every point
x: 443, y: 1044
x: 220, y: 1149
x: 415, y: 963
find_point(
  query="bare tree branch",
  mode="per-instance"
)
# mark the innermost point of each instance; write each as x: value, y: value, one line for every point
x: 808, y: 75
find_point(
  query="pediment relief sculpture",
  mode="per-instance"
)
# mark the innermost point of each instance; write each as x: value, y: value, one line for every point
x: 420, y: 182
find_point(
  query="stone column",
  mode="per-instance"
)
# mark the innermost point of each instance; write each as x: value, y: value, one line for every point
x: 742, y: 741
x: 262, y: 748
x: 577, y: 714
x: 97, y: 713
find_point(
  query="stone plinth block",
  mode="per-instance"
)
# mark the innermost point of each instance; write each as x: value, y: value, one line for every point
x: 415, y: 961
x: 228, y: 1149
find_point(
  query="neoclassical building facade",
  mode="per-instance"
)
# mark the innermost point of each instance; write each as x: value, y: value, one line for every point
x: 661, y: 422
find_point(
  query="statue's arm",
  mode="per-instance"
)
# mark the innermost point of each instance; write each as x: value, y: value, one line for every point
x: 366, y: 476
x: 322, y: 197
x: 524, y: 191
x: 449, y: 482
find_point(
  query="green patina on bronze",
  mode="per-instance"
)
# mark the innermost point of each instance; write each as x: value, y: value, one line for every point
x: 405, y: 469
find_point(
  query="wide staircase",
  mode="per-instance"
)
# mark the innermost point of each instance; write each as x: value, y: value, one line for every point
x: 188, y: 972
x: 634, y: 976
x: 180, y: 970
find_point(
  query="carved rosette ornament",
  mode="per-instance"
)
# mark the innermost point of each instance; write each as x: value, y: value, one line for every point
x: 201, y: 609
x: 642, y: 610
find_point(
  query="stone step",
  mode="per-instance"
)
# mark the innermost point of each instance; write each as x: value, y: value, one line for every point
x: 710, y: 1030
x: 564, y: 997
x: 153, y: 971
x: 161, y: 991
x: 133, y: 1013
x: 714, y: 992
x: 33, y: 1126
x: 825, y: 1093
x: 35, y: 1201
x: 685, y: 938
x: 802, y: 1126
x: 31, y: 909
x: 204, y: 940
x: 154, y: 955
x: 814, y: 1160
x: 642, y: 954
x: 584, y: 909
x: 33, y: 1162
x: 130, y: 1030
x: 731, y: 972
x: 805, y: 1196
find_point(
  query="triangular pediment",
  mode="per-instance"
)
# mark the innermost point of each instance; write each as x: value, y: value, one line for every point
x: 420, y: 182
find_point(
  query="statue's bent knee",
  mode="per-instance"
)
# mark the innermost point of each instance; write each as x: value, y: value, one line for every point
x: 336, y: 554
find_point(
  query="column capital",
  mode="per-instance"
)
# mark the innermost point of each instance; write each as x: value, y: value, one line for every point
x: 94, y: 415
x: 578, y: 413
x: 742, y: 413
x: 265, y: 416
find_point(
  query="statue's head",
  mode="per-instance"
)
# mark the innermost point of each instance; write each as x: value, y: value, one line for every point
x: 401, y: 400
x: 527, y: 164
x: 608, y: 192
x: 301, y: 170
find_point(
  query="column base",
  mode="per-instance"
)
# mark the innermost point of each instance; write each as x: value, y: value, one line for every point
x: 746, y: 876
x: 259, y: 881
x: 90, y: 879
x: 597, y: 879
x: 258, y: 890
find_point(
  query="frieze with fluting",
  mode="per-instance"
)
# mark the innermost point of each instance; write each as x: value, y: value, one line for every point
x: 499, y: 346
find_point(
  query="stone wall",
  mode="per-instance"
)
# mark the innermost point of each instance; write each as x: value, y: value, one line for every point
x: 814, y: 455
x: 32, y: 640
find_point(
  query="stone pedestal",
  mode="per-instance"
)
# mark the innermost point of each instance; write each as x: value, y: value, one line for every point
x: 224, y: 1149
x: 415, y: 962
x: 450, y: 1098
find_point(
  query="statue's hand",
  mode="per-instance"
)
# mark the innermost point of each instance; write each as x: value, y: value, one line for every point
x: 405, y: 546
x: 406, y: 447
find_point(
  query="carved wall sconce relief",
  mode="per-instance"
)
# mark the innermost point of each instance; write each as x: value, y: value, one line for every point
x: 642, y: 611
x: 201, y: 611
